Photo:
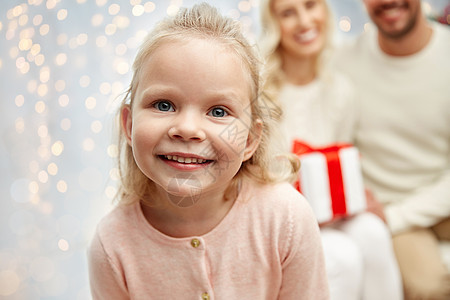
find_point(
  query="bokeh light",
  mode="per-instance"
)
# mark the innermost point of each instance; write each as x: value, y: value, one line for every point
x: 9, y: 282
x: 61, y: 186
x: 345, y: 24
x: 63, y: 245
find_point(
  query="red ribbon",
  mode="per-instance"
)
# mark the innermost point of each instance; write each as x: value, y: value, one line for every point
x: 336, y: 182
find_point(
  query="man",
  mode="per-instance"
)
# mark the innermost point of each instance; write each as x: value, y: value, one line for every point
x: 402, y: 69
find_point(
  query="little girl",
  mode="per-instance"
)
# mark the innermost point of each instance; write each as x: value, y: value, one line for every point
x: 202, y: 215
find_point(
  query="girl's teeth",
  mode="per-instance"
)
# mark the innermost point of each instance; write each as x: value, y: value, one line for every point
x: 186, y: 160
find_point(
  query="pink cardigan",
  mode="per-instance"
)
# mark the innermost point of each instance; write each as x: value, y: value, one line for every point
x: 267, y: 247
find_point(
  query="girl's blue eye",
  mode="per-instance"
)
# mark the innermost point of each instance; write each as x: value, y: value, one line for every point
x: 163, y: 106
x: 218, y: 112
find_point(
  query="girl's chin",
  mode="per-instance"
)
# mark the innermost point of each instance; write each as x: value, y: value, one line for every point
x: 184, y: 201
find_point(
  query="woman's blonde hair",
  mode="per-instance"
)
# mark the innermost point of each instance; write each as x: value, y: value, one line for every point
x: 205, y: 22
x: 269, y: 44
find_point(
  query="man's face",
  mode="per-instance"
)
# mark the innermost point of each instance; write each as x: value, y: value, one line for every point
x: 394, y: 18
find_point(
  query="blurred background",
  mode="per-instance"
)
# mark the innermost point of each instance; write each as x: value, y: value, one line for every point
x: 64, y: 66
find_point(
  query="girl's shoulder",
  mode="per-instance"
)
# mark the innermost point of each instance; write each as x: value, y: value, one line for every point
x: 276, y: 199
x: 121, y: 220
x: 268, y: 190
x: 116, y: 233
x: 281, y: 212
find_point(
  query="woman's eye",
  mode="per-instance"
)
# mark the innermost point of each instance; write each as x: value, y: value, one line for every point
x: 218, y: 112
x: 163, y: 106
x: 287, y: 13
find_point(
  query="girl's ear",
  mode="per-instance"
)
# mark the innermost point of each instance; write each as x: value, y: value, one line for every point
x: 126, y: 122
x: 253, y: 140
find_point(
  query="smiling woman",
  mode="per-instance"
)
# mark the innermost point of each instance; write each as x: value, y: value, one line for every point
x: 303, y: 27
x: 320, y: 110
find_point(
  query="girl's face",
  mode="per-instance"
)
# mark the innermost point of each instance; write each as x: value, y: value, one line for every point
x: 303, y: 26
x: 190, y: 119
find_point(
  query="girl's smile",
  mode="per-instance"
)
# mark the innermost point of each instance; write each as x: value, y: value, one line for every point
x: 185, y: 161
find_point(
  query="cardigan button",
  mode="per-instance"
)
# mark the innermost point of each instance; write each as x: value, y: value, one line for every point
x: 195, y: 243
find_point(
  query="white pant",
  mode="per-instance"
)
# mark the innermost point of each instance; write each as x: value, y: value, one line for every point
x: 360, y: 260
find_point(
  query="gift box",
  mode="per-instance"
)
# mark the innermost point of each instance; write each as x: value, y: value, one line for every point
x: 330, y: 178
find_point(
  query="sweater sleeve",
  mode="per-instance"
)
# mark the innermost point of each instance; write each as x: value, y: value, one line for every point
x: 303, y: 267
x: 427, y: 207
x: 106, y: 280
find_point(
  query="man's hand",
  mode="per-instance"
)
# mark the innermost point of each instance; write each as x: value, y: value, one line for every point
x: 374, y: 206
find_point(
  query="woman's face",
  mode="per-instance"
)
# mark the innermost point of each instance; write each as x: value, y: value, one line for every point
x: 303, y: 26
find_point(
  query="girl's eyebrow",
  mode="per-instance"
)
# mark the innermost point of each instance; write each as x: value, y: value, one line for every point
x: 156, y: 89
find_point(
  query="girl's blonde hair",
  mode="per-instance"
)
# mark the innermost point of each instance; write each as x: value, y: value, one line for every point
x: 205, y: 22
x: 269, y: 44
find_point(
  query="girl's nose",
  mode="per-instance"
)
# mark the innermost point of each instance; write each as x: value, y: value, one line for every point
x: 187, y: 126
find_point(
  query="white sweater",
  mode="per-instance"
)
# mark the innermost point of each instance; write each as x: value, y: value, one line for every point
x: 321, y: 112
x: 404, y: 133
